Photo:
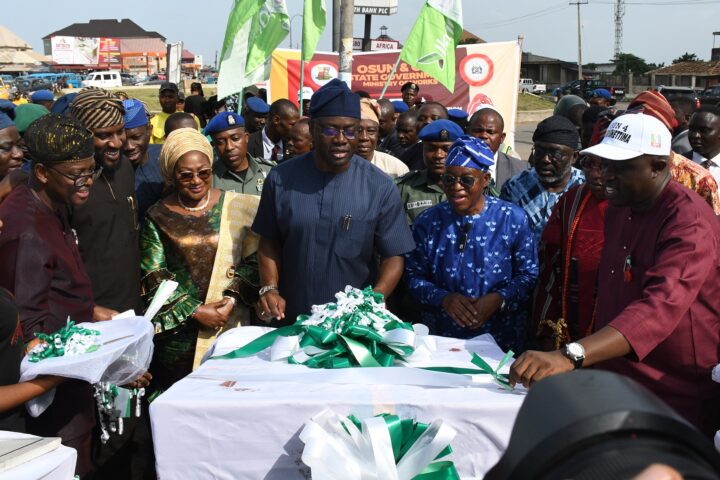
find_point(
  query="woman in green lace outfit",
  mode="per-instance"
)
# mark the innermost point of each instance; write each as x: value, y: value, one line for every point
x: 179, y: 242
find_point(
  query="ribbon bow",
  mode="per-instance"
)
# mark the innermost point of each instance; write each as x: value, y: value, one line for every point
x: 69, y: 340
x: 384, y: 447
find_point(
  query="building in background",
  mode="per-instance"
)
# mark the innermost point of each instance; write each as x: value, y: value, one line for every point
x: 106, y: 44
x: 17, y: 56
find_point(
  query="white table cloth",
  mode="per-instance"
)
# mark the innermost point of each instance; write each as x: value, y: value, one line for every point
x: 240, y: 418
x: 56, y: 465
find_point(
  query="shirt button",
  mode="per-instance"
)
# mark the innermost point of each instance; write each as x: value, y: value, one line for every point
x: 624, y: 247
x: 612, y: 272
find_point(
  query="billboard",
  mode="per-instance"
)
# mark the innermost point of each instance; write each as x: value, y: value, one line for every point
x: 375, y: 7
x: 86, y: 51
x: 487, y: 73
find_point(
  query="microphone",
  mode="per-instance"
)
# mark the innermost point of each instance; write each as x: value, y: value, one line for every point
x: 464, y: 238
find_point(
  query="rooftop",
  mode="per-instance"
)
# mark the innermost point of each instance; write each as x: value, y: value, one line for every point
x: 702, y: 69
x: 110, y: 28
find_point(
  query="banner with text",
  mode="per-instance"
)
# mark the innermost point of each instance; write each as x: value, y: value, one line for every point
x: 488, y: 73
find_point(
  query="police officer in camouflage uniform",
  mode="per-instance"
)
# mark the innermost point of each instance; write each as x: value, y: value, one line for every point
x: 234, y: 170
x: 420, y: 189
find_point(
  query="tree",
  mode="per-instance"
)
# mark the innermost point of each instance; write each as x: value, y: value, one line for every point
x: 625, y: 62
x: 686, y: 57
x: 591, y: 66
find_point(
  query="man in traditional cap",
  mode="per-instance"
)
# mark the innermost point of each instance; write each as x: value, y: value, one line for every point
x: 601, y: 97
x: 488, y: 125
x: 426, y: 114
x: 475, y: 263
x: 421, y: 189
x: 256, y: 114
x: 107, y: 224
x: 44, y: 98
x: 368, y: 134
x: 658, y: 304
x: 270, y: 143
x: 11, y: 153
x: 300, y: 140
x: 149, y: 182
x: 683, y: 170
x: 40, y: 263
x: 555, y: 150
x: 169, y: 96
x: 409, y: 92
x: 325, y: 217
x: 234, y: 170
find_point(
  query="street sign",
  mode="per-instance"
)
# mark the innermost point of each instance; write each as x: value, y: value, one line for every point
x: 357, y: 43
x: 384, y: 45
x: 376, y: 7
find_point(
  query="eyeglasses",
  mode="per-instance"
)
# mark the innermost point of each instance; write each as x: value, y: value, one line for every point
x: 186, y: 176
x: 331, y: 132
x: 79, y: 179
x: 554, y: 155
x: 589, y: 163
x: 467, y: 181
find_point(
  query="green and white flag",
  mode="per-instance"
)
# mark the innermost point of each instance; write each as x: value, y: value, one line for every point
x: 254, y: 29
x: 430, y: 47
x: 314, y: 14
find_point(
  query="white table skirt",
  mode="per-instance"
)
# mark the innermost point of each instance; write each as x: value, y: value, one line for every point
x: 240, y: 419
x: 56, y: 465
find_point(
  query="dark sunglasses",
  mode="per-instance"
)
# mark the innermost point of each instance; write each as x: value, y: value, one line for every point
x: 554, y: 155
x: 467, y: 181
x: 332, y: 132
x: 79, y: 179
x: 203, y: 174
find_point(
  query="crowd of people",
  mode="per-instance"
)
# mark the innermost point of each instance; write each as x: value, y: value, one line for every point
x: 600, y: 249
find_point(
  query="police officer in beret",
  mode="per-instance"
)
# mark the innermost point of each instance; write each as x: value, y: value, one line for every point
x: 234, y: 170
x: 255, y: 114
x: 420, y: 189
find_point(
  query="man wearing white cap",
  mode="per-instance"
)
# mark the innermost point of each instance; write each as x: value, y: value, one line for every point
x: 658, y: 314
x: 307, y: 94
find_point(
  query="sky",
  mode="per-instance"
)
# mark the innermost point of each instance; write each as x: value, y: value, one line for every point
x: 656, y: 30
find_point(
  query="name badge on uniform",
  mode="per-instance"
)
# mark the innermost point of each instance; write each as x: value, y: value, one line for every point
x: 419, y: 204
x: 260, y: 182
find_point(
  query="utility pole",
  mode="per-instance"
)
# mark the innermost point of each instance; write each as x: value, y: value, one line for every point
x: 579, y: 29
x: 347, y: 11
x: 336, y: 26
x: 619, y: 14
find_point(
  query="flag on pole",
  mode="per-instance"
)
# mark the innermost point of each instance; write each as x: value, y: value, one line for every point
x: 314, y: 14
x: 254, y: 29
x: 430, y: 47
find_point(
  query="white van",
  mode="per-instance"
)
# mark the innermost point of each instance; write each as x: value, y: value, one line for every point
x: 107, y: 79
x: 526, y: 85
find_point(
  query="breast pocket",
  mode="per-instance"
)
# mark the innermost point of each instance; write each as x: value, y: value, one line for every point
x: 356, y: 240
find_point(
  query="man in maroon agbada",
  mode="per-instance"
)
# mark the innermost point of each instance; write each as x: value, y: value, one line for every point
x: 658, y: 319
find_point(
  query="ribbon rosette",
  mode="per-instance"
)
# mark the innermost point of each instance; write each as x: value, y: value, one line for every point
x: 69, y: 340
x: 383, y: 447
x: 357, y: 330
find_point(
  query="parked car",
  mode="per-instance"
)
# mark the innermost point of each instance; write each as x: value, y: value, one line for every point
x: 25, y: 84
x: 153, y: 79
x: 107, y: 79
x: 673, y: 92
x: 128, y: 79
x: 539, y: 88
x: 710, y: 96
x: 585, y: 88
x: 526, y: 85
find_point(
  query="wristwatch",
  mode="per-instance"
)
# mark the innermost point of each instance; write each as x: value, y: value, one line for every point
x: 576, y: 353
x: 266, y: 289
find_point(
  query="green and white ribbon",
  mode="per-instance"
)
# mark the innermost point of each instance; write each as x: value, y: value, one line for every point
x: 355, y: 331
x: 69, y: 340
x: 384, y: 447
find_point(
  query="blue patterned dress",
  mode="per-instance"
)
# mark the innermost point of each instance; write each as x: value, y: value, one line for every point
x: 500, y: 256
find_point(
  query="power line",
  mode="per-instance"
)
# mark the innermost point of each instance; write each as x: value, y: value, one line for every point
x: 661, y: 4
x: 522, y: 18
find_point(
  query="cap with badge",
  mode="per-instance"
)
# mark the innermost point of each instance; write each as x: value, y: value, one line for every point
x: 42, y: 96
x: 470, y: 152
x: 441, y: 131
x: 409, y: 86
x: 224, y: 121
x: 632, y: 135
x: 257, y: 105
x: 400, y: 106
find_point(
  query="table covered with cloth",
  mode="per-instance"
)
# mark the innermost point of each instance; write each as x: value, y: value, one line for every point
x: 58, y: 464
x: 241, y: 418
